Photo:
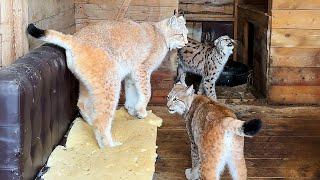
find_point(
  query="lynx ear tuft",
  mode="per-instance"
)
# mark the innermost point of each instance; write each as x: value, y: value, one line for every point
x: 173, y: 21
x: 190, y: 90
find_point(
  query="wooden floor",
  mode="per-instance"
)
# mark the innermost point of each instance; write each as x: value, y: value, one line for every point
x: 288, y: 146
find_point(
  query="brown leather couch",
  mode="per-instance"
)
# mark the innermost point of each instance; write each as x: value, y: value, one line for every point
x: 38, y: 97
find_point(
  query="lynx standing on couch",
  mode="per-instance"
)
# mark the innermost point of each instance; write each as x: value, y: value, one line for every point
x: 215, y: 133
x: 103, y: 54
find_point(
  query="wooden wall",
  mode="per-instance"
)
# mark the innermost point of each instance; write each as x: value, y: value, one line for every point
x: 139, y: 10
x: 52, y: 14
x: 294, y: 75
x: 13, y: 22
x: 253, y: 47
x: 205, y: 10
x: 15, y: 16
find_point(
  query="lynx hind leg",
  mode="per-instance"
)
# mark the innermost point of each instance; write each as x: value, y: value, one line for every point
x: 193, y: 173
x: 85, y: 105
x: 144, y: 93
x: 131, y: 96
x: 212, y: 164
x: 105, y: 100
x: 237, y: 164
x: 210, y: 87
x: 238, y: 169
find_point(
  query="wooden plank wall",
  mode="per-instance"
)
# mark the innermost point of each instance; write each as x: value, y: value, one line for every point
x: 52, y: 14
x: 13, y: 22
x: 294, y: 75
x: 139, y: 10
x: 254, y: 22
x: 205, y: 10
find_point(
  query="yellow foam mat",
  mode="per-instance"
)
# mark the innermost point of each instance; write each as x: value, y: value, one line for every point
x: 81, y: 157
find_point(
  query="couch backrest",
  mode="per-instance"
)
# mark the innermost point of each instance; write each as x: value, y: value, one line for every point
x: 38, y: 97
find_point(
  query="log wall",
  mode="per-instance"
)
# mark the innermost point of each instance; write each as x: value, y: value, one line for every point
x: 139, y: 10
x: 294, y: 74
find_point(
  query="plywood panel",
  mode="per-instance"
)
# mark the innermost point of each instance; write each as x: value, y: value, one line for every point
x: 295, y: 57
x: 296, y: 4
x: 206, y: 10
x: 63, y: 22
x: 39, y: 9
x: 295, y: 76
x: 294, y: 94
x: 295, y: 38
x: 300, y: 19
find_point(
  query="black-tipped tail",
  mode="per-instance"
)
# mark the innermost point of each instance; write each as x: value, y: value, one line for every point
x: 35, y: 32
x: 252, y: 127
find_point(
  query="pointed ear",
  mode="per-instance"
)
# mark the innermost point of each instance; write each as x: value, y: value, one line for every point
x: 173, y: 21
x: 190, y: 90
x: 182, y: 19
x: 216, y: 42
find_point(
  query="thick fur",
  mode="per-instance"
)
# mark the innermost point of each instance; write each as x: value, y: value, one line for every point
x: 215, y: 133
x: 205, y: 61
x: 103, y: 54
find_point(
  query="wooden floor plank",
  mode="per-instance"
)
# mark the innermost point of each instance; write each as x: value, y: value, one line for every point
x: 287, y: 147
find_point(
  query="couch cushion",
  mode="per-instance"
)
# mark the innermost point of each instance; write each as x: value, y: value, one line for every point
x: 38, y: 97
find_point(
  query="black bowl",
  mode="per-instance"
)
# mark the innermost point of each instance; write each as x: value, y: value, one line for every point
x: 233, y: 74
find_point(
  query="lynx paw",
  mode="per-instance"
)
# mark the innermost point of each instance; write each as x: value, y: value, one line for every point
x: 115, y: 144
x: 130, y: 110
x: 142, y: 113
x: 188, y: 173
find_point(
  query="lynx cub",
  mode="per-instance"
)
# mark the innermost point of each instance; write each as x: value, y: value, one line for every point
x: 215, y: 133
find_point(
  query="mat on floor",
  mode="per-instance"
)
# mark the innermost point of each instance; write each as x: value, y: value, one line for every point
x: 81, y: 157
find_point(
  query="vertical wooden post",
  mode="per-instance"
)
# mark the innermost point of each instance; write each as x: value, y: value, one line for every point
x: 13, y: 23
x: 235, y: 28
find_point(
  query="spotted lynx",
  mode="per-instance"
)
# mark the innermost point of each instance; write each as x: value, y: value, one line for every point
x: 205, y: 61
x: 102, y: 55
x: 215, y: 133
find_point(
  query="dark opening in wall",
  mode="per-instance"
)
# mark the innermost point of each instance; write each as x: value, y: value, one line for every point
x: 251, y: 34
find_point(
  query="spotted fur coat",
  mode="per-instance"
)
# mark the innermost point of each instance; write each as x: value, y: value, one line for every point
x: 206, y: 61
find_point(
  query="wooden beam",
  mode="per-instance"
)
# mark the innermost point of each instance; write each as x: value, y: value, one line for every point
x: 295, y: 57
x: 294, y: 94
x: 294, y: 76
x: 297, y: 19
x: 296, y: 4
x: 302, y: 38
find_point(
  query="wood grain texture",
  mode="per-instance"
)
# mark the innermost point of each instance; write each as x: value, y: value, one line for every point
x: 87, y: 11
x: 294, y: 76
x: 301, y: 38
x: 297, y: 19
x: 295, y: 57
x: 296, y: 4
x: 286, y: 148
x: 294, y: 94
x: 63, y: 22
x: 206, y: 10
x: 13, y: 22
x: 39, y: 9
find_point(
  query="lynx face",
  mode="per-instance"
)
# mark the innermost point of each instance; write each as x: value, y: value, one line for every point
x: 180, y: 98
x: 225, y: 44
x: 176, y: 32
